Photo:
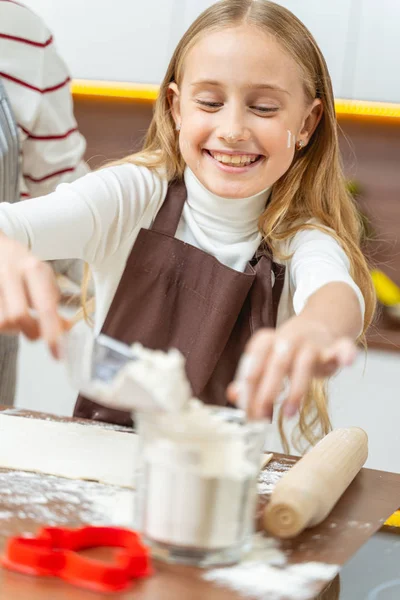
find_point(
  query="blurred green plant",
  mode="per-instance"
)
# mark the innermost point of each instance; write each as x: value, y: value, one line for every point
x: 355, y: 189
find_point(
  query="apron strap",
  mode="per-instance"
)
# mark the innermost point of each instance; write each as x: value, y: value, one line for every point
x: 168, y: 217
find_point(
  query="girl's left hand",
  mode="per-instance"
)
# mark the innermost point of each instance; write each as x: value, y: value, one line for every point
x: 299, y: 350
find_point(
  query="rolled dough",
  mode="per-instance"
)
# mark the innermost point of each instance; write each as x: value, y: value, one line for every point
x: 73, y: 449
x: 40, y: 443
x: 265, y: 459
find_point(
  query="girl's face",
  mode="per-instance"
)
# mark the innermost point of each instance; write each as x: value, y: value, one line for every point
x: 241, y: 108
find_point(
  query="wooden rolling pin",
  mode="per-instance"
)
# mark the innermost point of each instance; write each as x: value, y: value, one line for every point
x: 307, y: 493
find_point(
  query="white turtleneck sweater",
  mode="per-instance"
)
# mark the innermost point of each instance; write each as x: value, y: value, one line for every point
x: 224, y: 227
x: 98, y: 217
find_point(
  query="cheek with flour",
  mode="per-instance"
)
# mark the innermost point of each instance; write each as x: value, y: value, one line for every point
x: 291, y: 139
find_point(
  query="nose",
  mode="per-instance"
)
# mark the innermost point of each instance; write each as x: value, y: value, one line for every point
x: 232, y: 127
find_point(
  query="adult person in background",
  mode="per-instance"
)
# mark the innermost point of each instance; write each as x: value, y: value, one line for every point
x: 38, y: 127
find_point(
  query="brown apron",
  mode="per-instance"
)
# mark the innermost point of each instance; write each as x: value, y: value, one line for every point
x: 174, y: 295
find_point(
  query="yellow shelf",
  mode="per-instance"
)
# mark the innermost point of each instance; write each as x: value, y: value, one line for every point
x: 146, y: 91
x: 367, y: 109
x: 114, y: 89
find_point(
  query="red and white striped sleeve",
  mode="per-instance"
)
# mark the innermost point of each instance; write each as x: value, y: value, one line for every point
x: 38, y: 86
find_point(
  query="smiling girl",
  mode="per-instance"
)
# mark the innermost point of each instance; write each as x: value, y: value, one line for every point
x: 231, y: 234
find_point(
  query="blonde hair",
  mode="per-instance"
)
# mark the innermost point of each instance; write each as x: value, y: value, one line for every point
x: 314, y: 187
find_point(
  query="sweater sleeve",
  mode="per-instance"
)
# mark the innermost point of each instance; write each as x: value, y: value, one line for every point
x: 89, y: 218
x: 37, y: 82
x: 317, y: 259
x: 52, y: 148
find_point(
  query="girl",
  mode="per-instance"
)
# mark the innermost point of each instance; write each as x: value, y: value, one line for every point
x: 232, y: 220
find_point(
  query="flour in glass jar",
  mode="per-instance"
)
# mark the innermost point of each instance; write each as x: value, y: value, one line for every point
x: 199, y: 463
x: 199, y: 486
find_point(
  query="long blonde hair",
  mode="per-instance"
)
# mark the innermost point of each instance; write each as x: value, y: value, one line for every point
x: 314, y: 187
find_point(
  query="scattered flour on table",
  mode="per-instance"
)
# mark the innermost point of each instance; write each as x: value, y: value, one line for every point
x: 39, y: 500
x: 359, y: 524
x: 265, y: 575
x: 269, y: 477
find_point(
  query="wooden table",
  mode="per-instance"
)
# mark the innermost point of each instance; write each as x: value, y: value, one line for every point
x: 371, y: 498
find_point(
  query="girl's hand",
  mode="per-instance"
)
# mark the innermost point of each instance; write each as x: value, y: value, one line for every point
x: 299, y: 350
x: 27, y: 283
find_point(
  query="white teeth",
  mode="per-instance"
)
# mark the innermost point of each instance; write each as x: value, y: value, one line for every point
x: 234, y: 159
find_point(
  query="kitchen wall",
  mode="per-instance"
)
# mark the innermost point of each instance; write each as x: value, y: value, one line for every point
x: 130, y: 40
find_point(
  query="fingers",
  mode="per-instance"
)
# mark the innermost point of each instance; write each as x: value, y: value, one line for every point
x: 273, y: 378
x: 340, y: 354
x: 343, y: 353
x: 44, y: 296
x: 14, y: 308
x: 251, y: 368
x: 67, y: 324
x: 302, y: 372
x: 270, y: 360
x: 310, y: 363
x: 26, y: 283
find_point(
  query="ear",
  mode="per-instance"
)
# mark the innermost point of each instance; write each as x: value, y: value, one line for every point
x: 174, y: 103
x: 312, y: 118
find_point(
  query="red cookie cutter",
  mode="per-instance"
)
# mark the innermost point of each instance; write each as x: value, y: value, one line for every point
x: 53, y: 552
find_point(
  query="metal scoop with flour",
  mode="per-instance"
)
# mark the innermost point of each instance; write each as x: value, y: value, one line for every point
x: 123, y: 377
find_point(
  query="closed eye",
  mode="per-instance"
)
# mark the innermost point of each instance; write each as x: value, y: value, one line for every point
x: 212, y: 105
x: 265, y: 109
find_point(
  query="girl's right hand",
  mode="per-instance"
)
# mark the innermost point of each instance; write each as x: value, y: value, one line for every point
x: 27, y: 283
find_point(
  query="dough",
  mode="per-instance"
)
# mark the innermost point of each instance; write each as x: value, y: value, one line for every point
x: 62, y: 447
x: 93, y: 451
x: 265, y: 459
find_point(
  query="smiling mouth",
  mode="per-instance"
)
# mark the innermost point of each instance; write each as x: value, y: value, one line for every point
x: 235, y: 160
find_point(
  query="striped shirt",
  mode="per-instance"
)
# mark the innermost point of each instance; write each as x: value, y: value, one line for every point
x: 37, y: 83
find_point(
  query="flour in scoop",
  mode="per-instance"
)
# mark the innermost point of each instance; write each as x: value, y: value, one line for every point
x: 161, y: 374
x: 154, y: 381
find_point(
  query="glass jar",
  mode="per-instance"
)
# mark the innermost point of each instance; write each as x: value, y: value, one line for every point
x: 197, y: 484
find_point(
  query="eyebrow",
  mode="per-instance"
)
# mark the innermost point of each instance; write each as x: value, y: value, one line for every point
x: 257, y: 86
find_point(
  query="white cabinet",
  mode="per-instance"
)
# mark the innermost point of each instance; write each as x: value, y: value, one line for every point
x: 193, y: 8
x: 359, y: 39
x: 327, y: 21
x: 122, y: 40
x: 329, y: 24
x: 366, y: 395
x: 376, y: 74
x: 132, y: 40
